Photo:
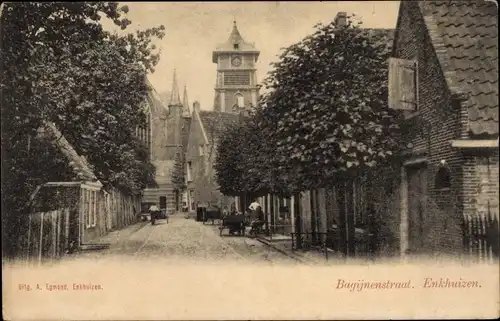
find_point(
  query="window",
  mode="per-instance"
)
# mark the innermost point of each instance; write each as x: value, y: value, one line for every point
x: 443, y: 178
x: 403, y: 87
x: 90, y: 207
x: 236, y: 46
x: 85, y: 199
x: 202, y: 150
x: 94, y: 213
x: 240, y: 101
x: 189, y: 178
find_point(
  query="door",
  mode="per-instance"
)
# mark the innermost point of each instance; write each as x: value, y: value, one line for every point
x: 177, y: 200
x: 417, y: 204
x: 163, y: 202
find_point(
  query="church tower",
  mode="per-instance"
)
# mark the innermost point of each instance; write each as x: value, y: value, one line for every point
x: 236, y: 85
x: 174, y: 121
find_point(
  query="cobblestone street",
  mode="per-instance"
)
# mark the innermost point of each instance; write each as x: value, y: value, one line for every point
x: 184, y: 240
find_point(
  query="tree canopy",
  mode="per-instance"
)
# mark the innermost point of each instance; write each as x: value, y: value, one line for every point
x: 60, y: 65
x: 178, y: 177
x: 325, y: 113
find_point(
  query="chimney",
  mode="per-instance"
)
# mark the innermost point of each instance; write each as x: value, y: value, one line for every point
x: 341, y: 19
x: 196, y: 106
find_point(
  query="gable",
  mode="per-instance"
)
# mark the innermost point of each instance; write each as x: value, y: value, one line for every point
x: 195, y: 137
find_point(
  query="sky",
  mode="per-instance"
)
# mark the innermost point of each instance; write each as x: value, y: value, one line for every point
x: 193, y: 29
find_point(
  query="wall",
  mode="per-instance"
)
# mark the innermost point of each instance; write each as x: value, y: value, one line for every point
x: 481, y: 185
x: 202, y: 183
x: 430, y: 131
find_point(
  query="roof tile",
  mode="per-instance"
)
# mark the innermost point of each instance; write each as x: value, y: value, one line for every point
x: 78, y: 163
x: 214, y: 122
x: 469, y: 30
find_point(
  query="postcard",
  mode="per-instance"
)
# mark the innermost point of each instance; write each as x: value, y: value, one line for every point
x: 270, y: 160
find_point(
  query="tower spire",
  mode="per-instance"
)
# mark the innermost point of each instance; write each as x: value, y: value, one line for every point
x: 185, y: 103
x: 175, y: 98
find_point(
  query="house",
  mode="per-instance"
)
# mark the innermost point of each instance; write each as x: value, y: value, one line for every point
x: 444, y: 77
x: 79, y: 210
x: 169, y: 129
x: 206, y: 127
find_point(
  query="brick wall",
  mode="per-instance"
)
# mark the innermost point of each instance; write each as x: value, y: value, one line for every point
x: 437, y: 122
x: 480, y: 190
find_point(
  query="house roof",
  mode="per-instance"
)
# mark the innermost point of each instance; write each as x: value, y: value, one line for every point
x: 465, y: 37
x: 214, y: 122
x: 186, y: 124
x: 79, y: 163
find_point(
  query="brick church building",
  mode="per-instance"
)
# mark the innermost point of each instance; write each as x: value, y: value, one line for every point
x: 236, y: 90
x: 175, y: 128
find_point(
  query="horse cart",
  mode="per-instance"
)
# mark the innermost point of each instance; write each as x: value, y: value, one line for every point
x: 234, y: 223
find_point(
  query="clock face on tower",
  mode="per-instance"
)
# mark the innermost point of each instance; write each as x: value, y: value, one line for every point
x: 236, y: 61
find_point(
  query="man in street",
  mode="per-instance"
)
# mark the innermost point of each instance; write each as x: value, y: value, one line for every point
x: 153, y: 211
x: 254, y: 205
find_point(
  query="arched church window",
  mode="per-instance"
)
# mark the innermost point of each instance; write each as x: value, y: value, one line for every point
x: 240, y: 101
x: 443, y: 177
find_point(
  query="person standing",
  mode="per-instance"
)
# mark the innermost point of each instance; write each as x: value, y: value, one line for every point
x: 153, y: 211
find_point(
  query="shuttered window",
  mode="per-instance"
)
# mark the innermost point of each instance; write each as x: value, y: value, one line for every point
x: 402, y: 84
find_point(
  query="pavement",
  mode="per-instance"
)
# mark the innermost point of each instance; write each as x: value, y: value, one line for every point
x: 184, y: 239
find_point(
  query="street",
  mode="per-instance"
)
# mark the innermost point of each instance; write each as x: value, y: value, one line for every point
x: 185, y: 240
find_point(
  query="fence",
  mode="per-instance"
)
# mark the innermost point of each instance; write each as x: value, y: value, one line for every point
x: 49, y: 235
x: 481, y: 237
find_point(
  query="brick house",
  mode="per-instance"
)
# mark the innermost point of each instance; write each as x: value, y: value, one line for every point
x: 443, y: 75
x: 206, y: 127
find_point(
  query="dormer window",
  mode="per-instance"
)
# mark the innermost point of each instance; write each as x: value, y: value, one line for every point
x: 236, y: 46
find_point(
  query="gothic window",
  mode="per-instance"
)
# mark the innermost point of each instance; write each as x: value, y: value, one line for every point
x: 443, y: 178
x: 189, y: 172
x: 240, y: 101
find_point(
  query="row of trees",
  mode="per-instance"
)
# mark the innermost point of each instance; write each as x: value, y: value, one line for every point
x: 324, y: 116
x: 60, y: 65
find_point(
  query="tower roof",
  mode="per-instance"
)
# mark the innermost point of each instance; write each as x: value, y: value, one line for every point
x: 185, y: 103
x: 175, y: 98
x: 235, y: 43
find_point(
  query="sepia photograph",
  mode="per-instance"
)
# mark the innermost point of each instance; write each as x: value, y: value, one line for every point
x: 250, y: 160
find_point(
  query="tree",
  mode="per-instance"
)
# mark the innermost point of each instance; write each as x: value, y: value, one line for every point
x: 325, y: 115
x: 178, y: 178
x: 228, y: 165
x: 59, y: 65
x: 328, y: 96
